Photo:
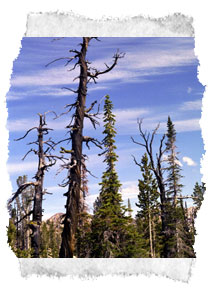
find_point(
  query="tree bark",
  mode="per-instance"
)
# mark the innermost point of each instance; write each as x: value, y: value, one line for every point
x: 74, y: 188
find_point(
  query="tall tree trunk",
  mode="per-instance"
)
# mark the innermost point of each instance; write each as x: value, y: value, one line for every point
x: 74, y: 189
x: 38, y: 196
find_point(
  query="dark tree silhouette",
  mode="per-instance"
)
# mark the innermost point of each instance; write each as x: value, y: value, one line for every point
x: 45, y: 161
x: 76, y: 161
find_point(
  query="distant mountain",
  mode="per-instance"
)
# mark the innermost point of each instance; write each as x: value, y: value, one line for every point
x: 56, y: 219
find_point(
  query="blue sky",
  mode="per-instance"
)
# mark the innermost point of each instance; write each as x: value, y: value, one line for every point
x: 156, y: 78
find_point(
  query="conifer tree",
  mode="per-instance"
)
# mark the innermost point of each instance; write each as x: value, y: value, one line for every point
x: 173, y: 190
x: 180, y: 241
x: 174, y: 169
x: 198, y: 195
x: 19, y: 211
x: 113, y: 234
x: 147, y: 217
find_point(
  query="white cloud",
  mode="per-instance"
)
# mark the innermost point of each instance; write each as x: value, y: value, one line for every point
x: 54, y: 189
x: 20, y: 124
x: 130, y: 192
x: 124, y: 116
x: 21, y: 167
x: 189, y: 161
x: 26, y: 123
x: 187, y: 125
x: 160, y: 58
x: 46, y: 77
x: 178, y: 163
x: 134, y: 67
x: 189, y: 90
x: 191, y: 105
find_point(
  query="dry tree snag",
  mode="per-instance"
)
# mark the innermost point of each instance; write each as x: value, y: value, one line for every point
x: 87, y: 74
x: 39, y: 191
x: 158, y: 170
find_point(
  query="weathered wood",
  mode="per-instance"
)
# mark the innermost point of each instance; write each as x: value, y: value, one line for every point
x: 71, y: 220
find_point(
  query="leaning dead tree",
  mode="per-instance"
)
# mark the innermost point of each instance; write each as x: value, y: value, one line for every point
x: 87, y: 74
x: 156, y: 166
x: 45, y: 160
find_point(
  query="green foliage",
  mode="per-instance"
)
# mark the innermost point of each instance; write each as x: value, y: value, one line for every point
x: 18, y: 229
x: 50, y: 240
x: 11, y: 235
x: 180, y: 244
x: 173, y: 168
x: 83, y: 236
x: 113, y: 233
x: 198, y: 195
x: 148, y: 215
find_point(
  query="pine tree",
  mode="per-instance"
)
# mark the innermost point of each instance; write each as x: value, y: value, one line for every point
x: 44, y: 241
x: 198, y: 195
x: 174, y: 169
x: 179, y: 243
x: 147, y: 218
x: 113, y: 233
x: 18, y: 229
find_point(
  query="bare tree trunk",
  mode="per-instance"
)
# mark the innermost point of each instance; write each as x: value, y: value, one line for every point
x: 71, y: 220
x: 158, y: 172
x: 74, y: 189
x: 38, y: 196
x: 36, y: 222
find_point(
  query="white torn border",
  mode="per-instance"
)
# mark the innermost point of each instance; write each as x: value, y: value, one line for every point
x: 65, y: 24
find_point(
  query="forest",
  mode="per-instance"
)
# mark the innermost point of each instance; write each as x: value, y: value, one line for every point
x: 163, y: 226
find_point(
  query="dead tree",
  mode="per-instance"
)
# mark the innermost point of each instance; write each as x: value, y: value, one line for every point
x: 87, y: 74
x: 45, y: 160
x: 156, y: 166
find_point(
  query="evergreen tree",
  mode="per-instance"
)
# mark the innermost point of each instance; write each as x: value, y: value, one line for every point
x: 147, y: 218
x: 180, y: 241
x: 198, y: 195
x: 44, y: 241
x: 174, y: 169
x: 11, y: 231
x: 18, y: 229
x: 50, y: 239
x: 113, y: 233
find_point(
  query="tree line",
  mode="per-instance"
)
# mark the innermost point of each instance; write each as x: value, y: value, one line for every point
x: 162, y: 226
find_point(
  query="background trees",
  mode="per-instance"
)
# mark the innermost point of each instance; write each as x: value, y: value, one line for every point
x: 176, y: 236
x: 45, y: 161
x: 148, y: 215
x: 162, y: 222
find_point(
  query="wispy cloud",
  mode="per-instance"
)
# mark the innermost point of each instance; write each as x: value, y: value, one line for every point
x: 20, y: 124
x: 47, y: 92
x: 22, y: 167
x: 191, y: 105
x: 135, y: 66
x: 189, y: 161
x: 46, y: 77
x: 187, y: 125
x: 126, y: 121
x: 189, y: 90
x: 153, y: 59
